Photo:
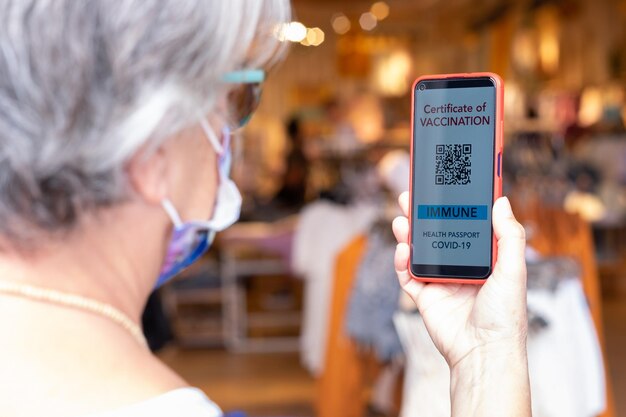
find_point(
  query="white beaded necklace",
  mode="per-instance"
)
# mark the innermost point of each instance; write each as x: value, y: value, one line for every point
x: 76, y: 301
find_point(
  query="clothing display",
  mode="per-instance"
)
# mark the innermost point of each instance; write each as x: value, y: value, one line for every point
x: 179, y: 402
x: 565, y: 360
x: 426, y: 390
x: 374, y: 298
x: 349, y: 368
x: 323, y: 230
x: 546, y: 274
x: 564, y: 356
x: 340, y: 383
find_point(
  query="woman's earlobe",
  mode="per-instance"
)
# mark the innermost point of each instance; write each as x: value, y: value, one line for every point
x: 147, y: 174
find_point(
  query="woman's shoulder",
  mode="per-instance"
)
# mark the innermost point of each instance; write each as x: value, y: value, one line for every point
x: 184, y: 402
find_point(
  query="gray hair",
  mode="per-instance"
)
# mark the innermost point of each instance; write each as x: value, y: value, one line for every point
x: 85, y: 83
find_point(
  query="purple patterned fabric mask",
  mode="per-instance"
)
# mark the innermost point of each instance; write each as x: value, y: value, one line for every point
x: 190, y: 240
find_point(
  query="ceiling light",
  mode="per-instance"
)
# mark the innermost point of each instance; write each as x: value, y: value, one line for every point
x: 380, y: 10
x: 341, y: 23
x: 367, y: 21
x: 293, y: 32
x: 315, y: 36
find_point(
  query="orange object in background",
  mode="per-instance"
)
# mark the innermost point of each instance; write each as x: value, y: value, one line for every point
x: 340, y: 389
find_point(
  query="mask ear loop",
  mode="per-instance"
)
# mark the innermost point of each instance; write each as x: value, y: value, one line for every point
x: 171, y: 211
x: 211, y: 136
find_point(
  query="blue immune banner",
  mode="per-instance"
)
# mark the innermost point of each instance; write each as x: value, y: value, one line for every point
x: 430, y: 212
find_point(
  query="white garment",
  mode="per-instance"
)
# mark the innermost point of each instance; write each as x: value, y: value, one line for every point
x: 395, y: 170
x: 183, y: 402
x: 564, y: 360
x: 384, y: 389
x: 426, y: 391
x: 324, y: 229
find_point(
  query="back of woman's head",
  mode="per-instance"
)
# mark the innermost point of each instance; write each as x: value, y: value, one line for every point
x: 85, y: 84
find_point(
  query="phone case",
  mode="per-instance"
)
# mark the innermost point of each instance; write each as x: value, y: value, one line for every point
x: 497, y: 160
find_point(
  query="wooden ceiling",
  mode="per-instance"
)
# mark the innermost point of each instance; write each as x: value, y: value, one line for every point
x: 408, y: 16
x: 403, y: 5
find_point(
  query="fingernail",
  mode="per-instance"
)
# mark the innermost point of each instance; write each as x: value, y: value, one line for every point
x: 506, y: 207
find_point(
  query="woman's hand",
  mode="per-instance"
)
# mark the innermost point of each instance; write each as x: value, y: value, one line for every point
x: 480, y: 330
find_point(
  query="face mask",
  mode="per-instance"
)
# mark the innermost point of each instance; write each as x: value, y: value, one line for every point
x: 190, y: 240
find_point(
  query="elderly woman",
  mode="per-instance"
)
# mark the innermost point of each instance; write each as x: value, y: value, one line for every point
x: 114, y: 160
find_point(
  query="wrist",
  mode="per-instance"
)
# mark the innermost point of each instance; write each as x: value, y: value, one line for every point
x: 491, y: 380
x: 484, y: 358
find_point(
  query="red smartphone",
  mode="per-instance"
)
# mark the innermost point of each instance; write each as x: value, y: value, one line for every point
x: 456, y: 176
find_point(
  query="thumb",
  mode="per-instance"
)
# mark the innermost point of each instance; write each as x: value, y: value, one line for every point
x: 511, y: 263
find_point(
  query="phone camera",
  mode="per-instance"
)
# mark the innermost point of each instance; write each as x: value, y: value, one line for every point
x: 422, y: 87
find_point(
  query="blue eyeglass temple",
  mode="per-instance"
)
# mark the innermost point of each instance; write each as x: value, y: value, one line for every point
x: 244, y: 77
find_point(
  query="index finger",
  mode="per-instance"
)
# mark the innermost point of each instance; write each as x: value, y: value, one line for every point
x: 403, y: 200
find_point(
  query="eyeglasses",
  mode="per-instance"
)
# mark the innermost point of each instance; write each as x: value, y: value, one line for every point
x: 245, y: 98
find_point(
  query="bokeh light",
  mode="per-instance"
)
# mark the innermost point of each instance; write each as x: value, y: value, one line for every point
x: 367, y: 21
x: 380, y: 10
x: 341, y: 24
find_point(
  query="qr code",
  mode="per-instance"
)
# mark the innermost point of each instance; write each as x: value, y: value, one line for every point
x: 453, y: 164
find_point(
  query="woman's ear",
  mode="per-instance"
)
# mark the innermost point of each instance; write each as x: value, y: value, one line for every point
x: 147, y: 173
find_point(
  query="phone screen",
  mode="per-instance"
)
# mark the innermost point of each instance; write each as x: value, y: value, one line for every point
x: 452, y: 190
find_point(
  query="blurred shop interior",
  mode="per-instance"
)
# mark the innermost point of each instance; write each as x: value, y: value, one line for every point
x: 296, y: 313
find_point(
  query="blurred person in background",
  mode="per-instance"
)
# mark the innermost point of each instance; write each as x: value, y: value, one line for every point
x: 292, y: 193
x: 114, y: 176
